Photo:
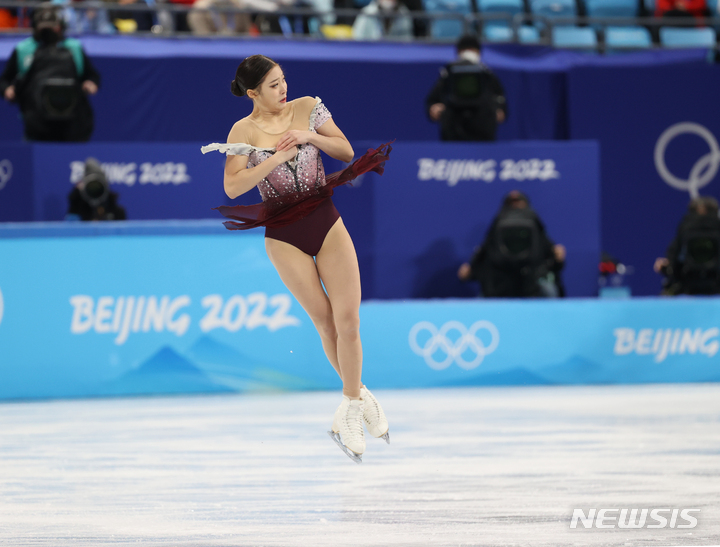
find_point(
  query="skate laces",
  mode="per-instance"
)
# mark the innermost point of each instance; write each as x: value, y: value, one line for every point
x: 373, y: 413
x: 353, y: 421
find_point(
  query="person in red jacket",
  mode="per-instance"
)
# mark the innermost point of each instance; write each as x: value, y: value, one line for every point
x: 681, y: 8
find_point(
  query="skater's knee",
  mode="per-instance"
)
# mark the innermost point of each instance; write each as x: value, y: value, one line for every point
x: 348, y: 325
x: 325, y: 325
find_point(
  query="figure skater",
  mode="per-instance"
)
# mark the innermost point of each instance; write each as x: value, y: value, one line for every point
x: 277, y: 148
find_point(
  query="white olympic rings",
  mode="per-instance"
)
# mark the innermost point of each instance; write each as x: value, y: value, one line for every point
x: 6, y: 171
x: 709, y: 163
x: 454, y: 351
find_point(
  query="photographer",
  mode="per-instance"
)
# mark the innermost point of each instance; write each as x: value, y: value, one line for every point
x: 692, y: 265
x: 517, y: 258
x: 49, y: 77
x: 467, y: 100
x: 92, y: 199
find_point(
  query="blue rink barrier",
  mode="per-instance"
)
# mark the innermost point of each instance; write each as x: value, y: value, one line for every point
x: 109, y: 310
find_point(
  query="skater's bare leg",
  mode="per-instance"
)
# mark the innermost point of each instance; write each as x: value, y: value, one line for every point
x: 338, y: 267
x: 300, y: 275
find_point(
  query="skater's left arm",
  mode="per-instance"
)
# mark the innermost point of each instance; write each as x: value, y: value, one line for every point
x: 328, y: 138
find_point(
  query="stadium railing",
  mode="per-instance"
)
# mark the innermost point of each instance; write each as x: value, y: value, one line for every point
x: 318, y: 25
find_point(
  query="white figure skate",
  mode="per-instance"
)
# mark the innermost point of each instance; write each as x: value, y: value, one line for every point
x: 374, y: 417
x: 347, y: 428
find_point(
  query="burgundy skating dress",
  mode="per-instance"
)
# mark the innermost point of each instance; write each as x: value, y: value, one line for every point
x: 296, y: 206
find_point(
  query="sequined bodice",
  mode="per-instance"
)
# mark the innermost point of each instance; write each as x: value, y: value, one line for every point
x: 303, y: 173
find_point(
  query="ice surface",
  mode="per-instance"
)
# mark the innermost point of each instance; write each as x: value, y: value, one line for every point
x: 492, y: 466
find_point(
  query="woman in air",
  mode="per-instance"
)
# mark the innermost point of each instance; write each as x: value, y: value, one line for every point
x: 277, y: 148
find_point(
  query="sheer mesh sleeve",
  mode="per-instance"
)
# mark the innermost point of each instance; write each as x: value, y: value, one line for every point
x: 320, y: 114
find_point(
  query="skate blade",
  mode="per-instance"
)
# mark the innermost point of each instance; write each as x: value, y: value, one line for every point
x: 386, y: 436
x: 357, y: 458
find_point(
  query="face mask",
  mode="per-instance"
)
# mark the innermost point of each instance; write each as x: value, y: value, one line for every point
x: 470, y: 55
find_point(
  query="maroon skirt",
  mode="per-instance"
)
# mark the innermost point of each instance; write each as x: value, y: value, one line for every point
x: 284, y: 210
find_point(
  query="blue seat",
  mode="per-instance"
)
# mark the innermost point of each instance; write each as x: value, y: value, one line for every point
x: 611, y: 8
x: 450, y: 27
x: 554, y: 8
x: 687, y: 37
x: 649, y: 5
x: 529, y: 35
x: 494, y: 6
x: 574, y: 37
x: 498, y: 33
x: 627, y: 38
x: 511, y: 7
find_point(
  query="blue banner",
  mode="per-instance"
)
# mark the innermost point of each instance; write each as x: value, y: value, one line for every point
x: 436, y: 202
x: 91, y: 311
x: 16, y: 183
x: 154, y: 181
x: 658, y: 152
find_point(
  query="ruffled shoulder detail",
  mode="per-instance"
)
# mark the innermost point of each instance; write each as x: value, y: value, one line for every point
x: 319, y: 115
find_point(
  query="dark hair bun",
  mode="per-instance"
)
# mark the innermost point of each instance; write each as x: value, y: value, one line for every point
x: 236, y: 89
x: 251, y: 73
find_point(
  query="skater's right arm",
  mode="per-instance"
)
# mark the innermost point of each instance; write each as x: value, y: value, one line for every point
x: 238, y: 178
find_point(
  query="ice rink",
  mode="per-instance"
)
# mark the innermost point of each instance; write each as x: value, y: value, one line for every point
x: 475, y: 466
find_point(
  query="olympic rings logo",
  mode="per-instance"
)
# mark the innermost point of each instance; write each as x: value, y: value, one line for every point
x: 704, y: 169
x: 6, y: 171
x: 467, y: 341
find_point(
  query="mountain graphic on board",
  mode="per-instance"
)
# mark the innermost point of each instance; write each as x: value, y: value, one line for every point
x: 226, y: 365
x: 165, y: 372
x: 513, y: 377
x: 578, y: 370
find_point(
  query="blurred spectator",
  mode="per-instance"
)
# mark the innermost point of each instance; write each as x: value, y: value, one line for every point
x: 681, y: 8
x: 421, y: 25
x: 8, y: 18
x: 129, y: 21
x: 49, y: 77
x: 517, y: 258
x: 468, y: 100
x: 179, y: 18
x: 692, y: 264
x: 383, y: 19
x: 92, y: 199
x: 204, y: 20
x: 85, y: 21
x: 344, y: 19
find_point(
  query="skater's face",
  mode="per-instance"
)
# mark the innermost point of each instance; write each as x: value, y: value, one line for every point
x: 272, y: 92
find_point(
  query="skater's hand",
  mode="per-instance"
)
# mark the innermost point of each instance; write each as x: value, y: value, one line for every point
x: 286, y: 155
x: 293, y: 138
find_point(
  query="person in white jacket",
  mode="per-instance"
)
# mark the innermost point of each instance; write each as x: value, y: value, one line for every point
x: 383, y: 19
